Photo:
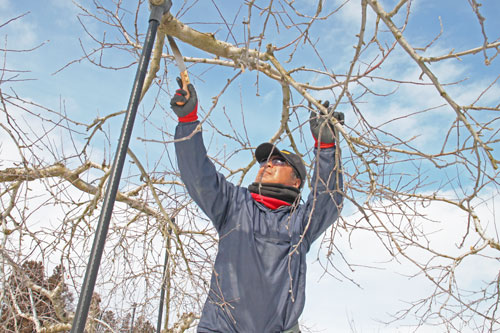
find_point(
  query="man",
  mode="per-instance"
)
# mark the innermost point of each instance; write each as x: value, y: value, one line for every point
x: 259, y: 276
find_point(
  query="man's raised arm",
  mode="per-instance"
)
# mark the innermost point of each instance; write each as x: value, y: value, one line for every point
x: 208, y: 188
x: 324, y: 202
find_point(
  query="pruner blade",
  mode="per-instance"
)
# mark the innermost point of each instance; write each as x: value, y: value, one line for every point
x: 179, y: 60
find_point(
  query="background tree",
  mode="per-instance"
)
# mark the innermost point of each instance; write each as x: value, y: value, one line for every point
x: 32, y: 301
x: 419, y: 149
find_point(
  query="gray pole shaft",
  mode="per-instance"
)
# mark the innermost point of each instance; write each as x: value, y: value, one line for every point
x: 163, y: 283
x: 112, y: 189
x: 133, y: 317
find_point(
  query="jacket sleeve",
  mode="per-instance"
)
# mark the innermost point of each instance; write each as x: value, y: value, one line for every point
x: 207, y: 187
x: 324, y: 202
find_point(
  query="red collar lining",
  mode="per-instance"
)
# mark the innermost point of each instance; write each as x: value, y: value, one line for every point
x: 269, y: 202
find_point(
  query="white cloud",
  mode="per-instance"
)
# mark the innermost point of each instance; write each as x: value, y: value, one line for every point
x: 4, y: 4
x: 469, y: 92
x: 429, y: 127
x: 332, y: 304
x: 350, y: 12
x: 34, y: 129
x: 67, y: 11
x: 20, y: 34
x: 65, y: 4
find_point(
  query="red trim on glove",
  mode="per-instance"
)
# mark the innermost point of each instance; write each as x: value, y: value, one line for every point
x: 193, y: 116
x: 322, y: 145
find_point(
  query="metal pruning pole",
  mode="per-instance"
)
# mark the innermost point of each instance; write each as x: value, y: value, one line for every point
x: 133, y: 317
x: 158, y: 8
x: 163, y: 282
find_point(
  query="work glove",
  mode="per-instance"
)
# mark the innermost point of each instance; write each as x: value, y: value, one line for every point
x: 188, y: 110
x: 325, y: 139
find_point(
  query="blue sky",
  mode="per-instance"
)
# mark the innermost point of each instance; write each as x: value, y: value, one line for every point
x: 86, y: 91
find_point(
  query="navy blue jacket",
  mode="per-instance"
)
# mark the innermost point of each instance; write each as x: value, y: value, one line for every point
x: 259, y: 277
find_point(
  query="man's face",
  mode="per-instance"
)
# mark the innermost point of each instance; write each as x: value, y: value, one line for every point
x: 277, y: 171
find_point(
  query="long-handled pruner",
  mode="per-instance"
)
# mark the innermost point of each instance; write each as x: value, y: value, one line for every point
x: 158, y: 9
x: 179, y: 60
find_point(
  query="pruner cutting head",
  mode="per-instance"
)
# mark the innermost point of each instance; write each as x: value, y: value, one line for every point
x: 158, y: 9
x: 179, y: 60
